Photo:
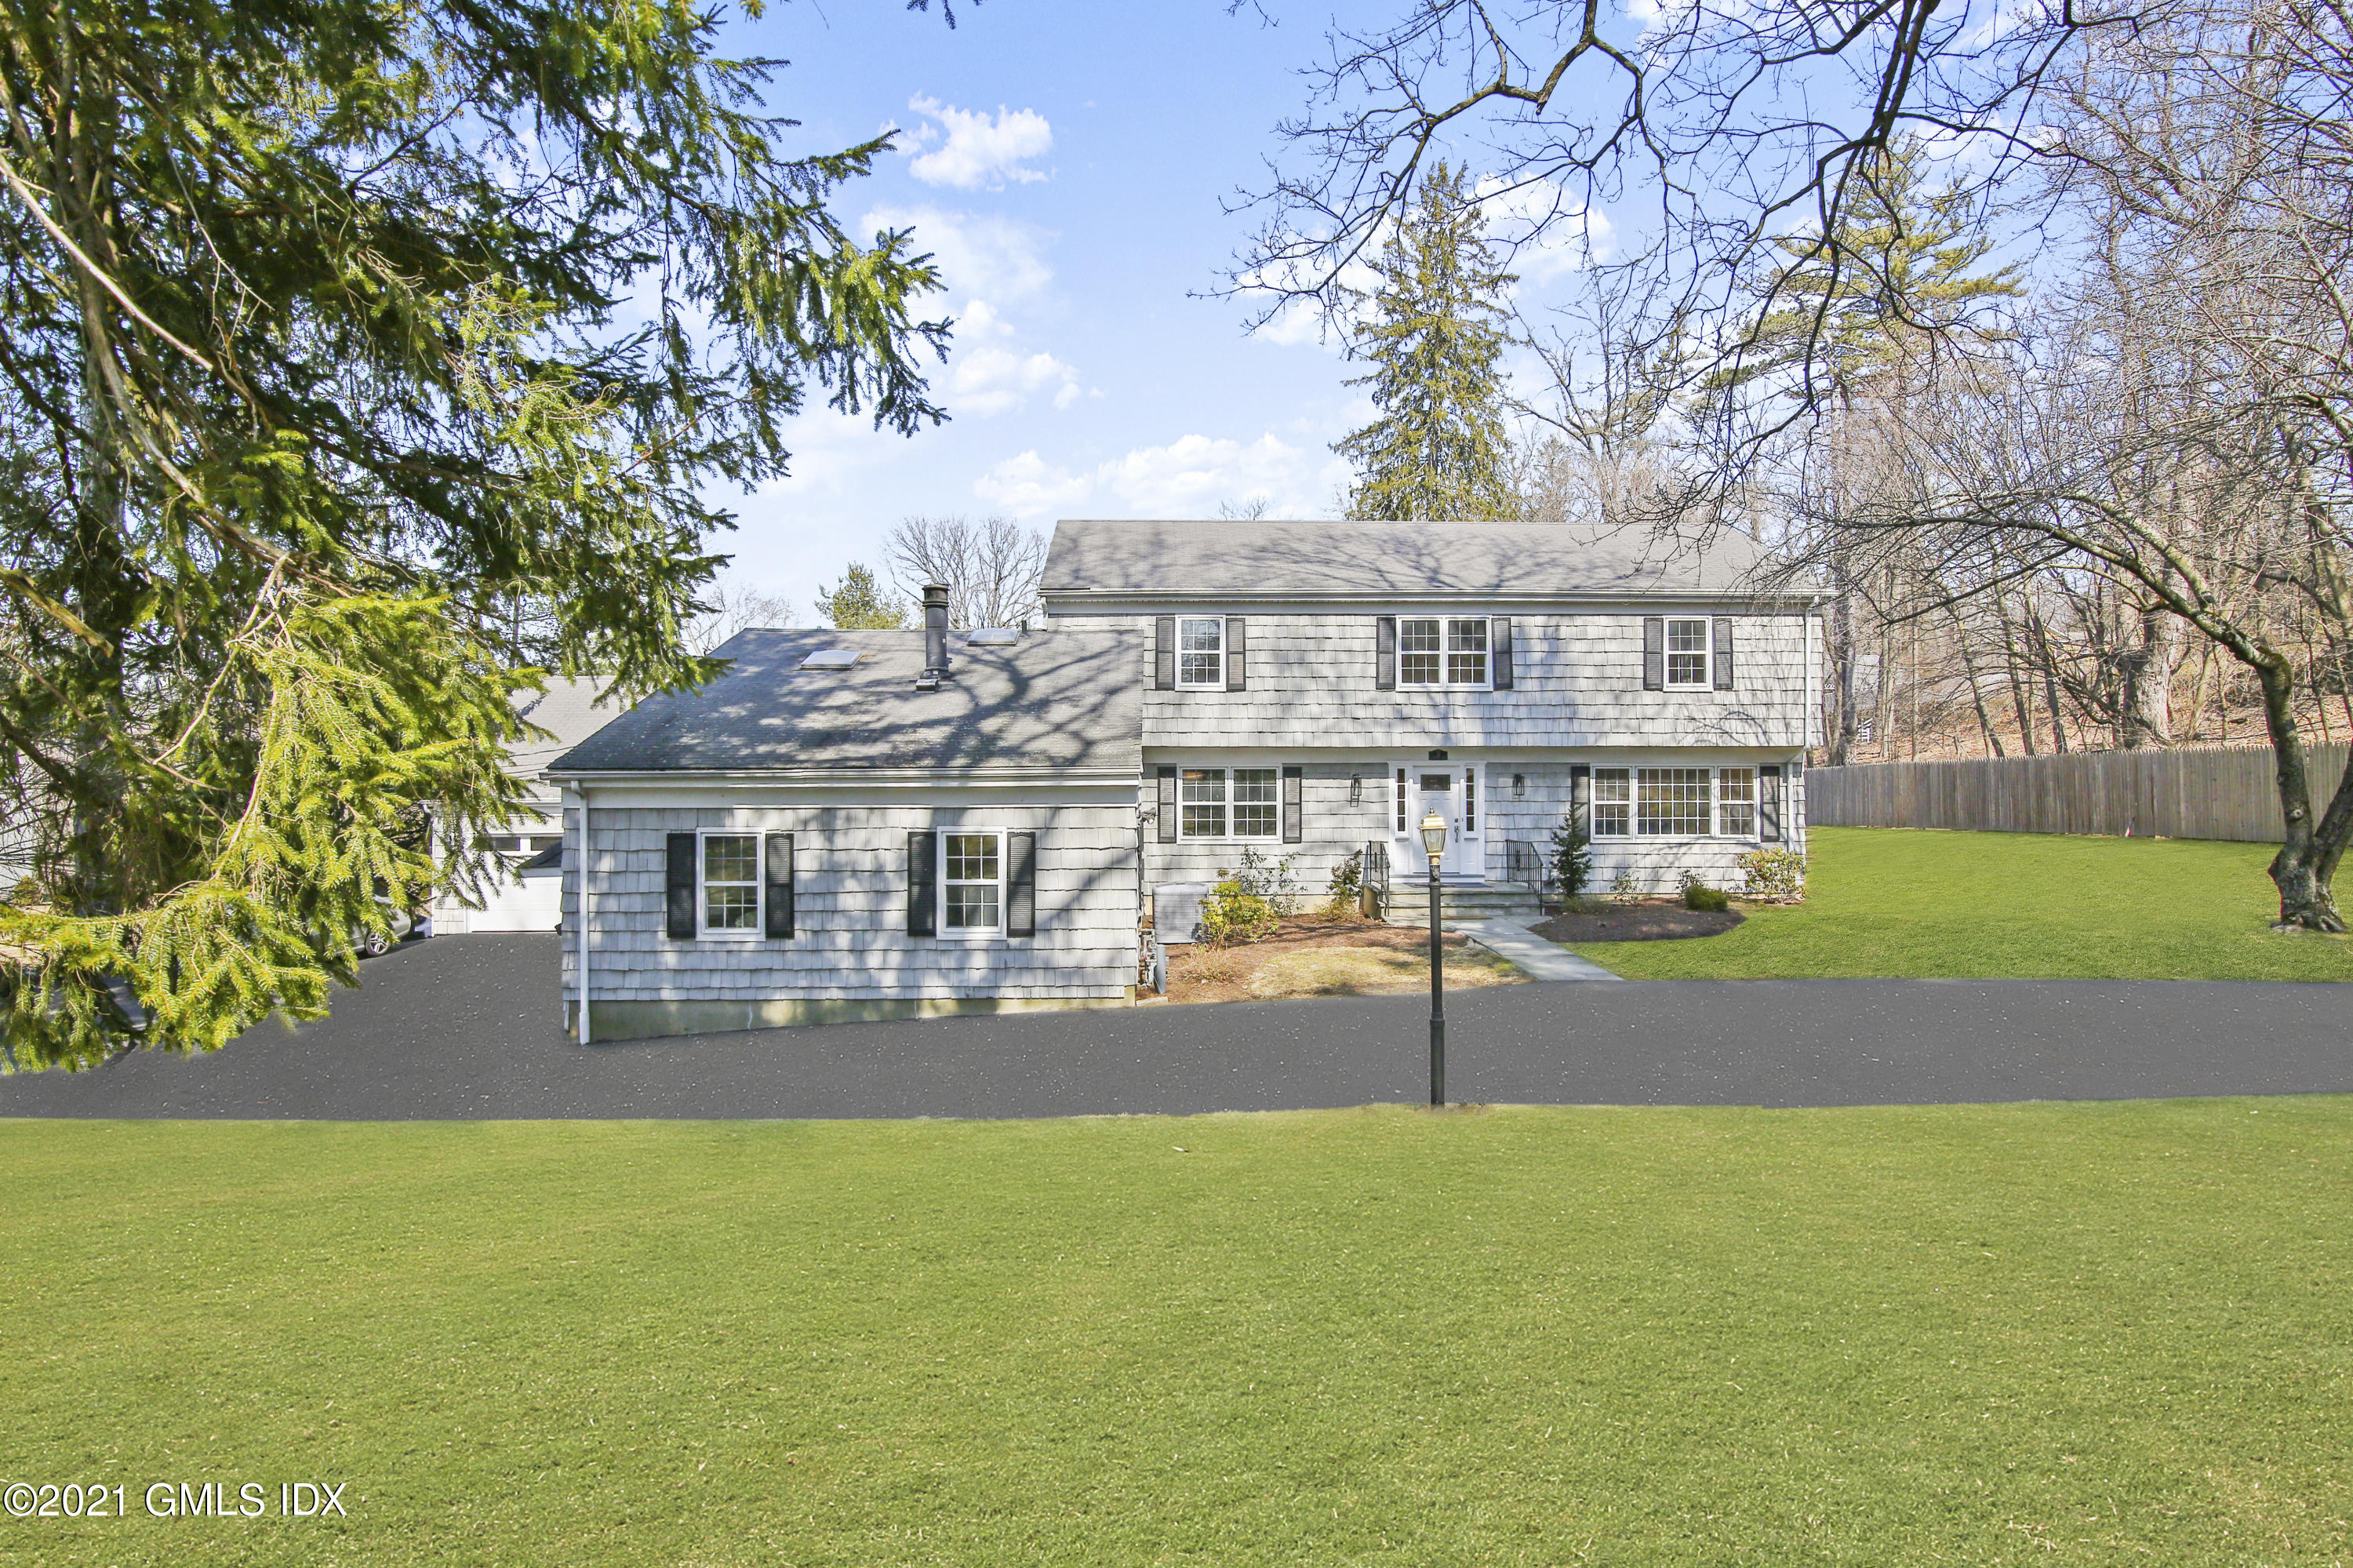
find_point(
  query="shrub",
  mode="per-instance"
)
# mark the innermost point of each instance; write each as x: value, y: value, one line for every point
x: 1232, y: 913
x: 1270, y: 880
x: 1775, y: 875
x: 1572, y: 855
x: 1698, y: 895
x: 1622, y: 887
x: 1347, y: 885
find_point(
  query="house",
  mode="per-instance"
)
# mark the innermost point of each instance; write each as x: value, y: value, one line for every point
x: 1313, y: 688
x: 859, y: 825
x: 529, y: 895
x: 876, y: 825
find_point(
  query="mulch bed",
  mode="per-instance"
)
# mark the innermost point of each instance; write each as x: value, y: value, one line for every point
x: 1196, y: 973
x: 1651, y: 920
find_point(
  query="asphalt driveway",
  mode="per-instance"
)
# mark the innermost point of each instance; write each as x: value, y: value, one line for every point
x: 463, y: 1027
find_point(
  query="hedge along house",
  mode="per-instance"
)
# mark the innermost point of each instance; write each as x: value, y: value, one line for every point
x: 1312, y: 689
x: 859, y: 825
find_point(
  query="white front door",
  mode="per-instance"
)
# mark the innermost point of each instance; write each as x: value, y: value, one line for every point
x: 1458, y: 793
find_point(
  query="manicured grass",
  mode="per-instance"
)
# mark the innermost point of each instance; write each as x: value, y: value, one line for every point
x: 1894, y: 903
x: 2097, y: 1333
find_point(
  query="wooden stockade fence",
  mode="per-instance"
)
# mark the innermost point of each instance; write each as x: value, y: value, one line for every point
x: 2191, y: 792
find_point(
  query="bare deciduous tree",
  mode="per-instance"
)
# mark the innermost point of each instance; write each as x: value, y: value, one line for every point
x: 993, y: 568
x: 730, y: 607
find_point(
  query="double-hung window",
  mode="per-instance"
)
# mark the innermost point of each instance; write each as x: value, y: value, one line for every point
x: 972, y: 883
x: 1443, y: 651
x: 1612, y: 801
x: 1239, y: 803
x: 1687, y: 656
x: 1735, y: 802
x: 1201, y: 652
x: 730, y: 892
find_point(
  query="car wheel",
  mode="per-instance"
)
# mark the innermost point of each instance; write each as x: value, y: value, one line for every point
x: 372, y: 944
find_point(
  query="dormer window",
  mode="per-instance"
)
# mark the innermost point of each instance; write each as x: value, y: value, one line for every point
x: 1201, y: 652
x: 1443, y: 651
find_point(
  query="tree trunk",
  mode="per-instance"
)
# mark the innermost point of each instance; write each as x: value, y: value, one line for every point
x: 2305, y: 866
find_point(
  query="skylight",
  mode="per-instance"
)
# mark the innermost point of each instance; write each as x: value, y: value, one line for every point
x: 993, y: 637
x: 833, y: 658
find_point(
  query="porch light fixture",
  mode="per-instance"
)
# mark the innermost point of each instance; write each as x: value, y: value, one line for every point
x: 1519, y: 786
x: 1355, y: 789
x: 1433, y: 841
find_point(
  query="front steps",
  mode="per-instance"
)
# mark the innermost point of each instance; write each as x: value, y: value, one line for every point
x: 1409, y: 902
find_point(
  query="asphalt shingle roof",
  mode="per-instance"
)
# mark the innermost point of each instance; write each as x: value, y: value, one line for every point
x: 1064, y: 700
x: 1387, y: 559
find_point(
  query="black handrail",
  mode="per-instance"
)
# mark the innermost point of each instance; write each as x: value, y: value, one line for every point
x: 1377, y: 866
x: 1522, y: 861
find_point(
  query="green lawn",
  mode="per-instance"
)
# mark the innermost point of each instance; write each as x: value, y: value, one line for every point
x: 1899, y: 905
x: 2092, y: 1333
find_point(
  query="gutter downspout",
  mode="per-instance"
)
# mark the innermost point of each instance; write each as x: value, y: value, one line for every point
x: 583, y: 902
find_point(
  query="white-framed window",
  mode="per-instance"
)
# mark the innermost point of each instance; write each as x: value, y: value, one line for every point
x: 1735, y: 802
x: 1612, y: 802
x: 1229, y: 803
x: 1201, y: 652
x: 1444, y: 651
x: 972, y: 882
x: 729, y: 884
x: 1671, y: 802
x: 1674, y: 802
x: 1689, y: 655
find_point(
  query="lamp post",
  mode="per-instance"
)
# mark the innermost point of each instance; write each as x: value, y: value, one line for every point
x: 1433, y: 840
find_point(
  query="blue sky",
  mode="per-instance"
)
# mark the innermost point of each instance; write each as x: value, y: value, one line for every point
x: 1065, y: 163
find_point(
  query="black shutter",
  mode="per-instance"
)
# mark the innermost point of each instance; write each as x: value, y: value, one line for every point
x: 778, y: 851
x: 1385, y: 660
x: 1499, y: 633
x: 1021, y: 885
x: 1164, y: 652
x: 679, y: 887
x: 1236, y: 654
x: 922, y: 883
x: 1655, y: 653
x: 1580, y: 796
x: 1167, y: 805
x: 1768, y: 805
x: 1294, y: 782
x: 1723, y: 652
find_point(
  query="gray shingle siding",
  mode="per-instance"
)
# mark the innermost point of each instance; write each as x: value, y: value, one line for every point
x: 1577, y: 682
x: 1333, y: 829
x: 849, y: 905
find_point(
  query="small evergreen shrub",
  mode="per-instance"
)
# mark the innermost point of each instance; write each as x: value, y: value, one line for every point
x: 1232, y: 913
x: 1572, y: 855
x: 1622, y: 887
x: 1698, y: 895
x: 1775, y: 875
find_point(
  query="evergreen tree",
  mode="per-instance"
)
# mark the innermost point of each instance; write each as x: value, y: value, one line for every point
x: 321, y: 437
x: 859, y: 603
x: 1439, y: 449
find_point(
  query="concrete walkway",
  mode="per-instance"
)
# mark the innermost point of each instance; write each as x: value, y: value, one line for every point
x: 1531, y: 955
x: 465, y: 1027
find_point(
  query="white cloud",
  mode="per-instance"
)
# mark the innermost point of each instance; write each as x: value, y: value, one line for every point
x: 1028, y: 485
x: 1187, y: 478
x: 990, y: 258
x: 989, y: 380
x: 972, y: 150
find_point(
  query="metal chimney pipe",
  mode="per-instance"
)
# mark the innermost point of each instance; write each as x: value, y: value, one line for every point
x: 935, y: 629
